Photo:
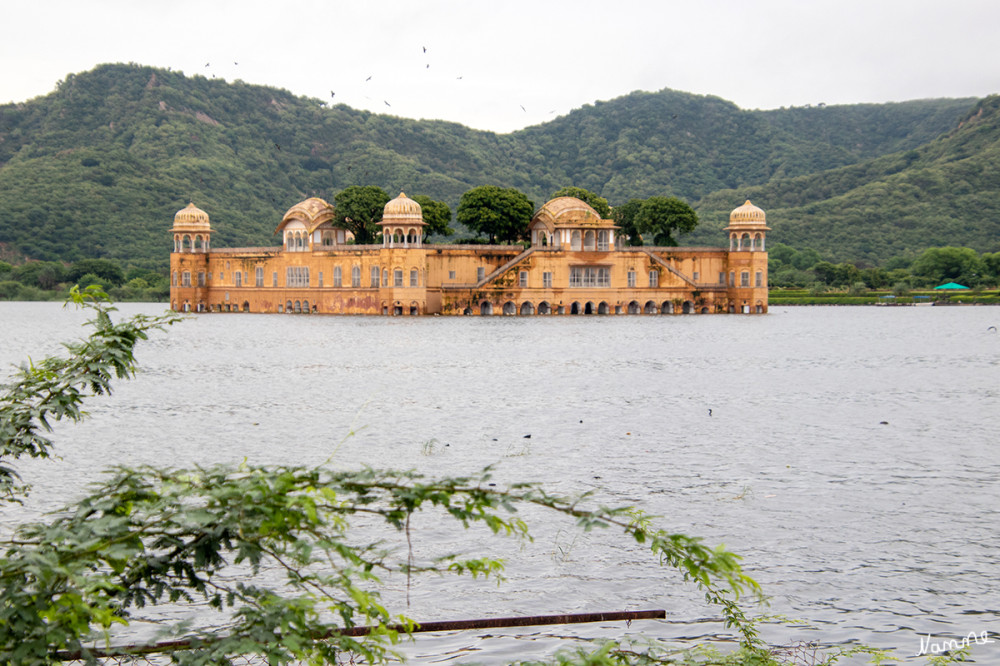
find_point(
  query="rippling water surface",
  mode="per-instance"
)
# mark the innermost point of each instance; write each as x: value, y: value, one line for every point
x: 849, y: 454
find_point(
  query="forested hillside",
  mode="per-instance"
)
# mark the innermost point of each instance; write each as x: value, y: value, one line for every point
x: 945, y: 192
x: 98, y: 167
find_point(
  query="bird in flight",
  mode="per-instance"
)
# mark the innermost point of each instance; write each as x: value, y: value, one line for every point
x: 387, y: 103
x: 425, y: 49
x: 332, y: 94
x: 368, y: 79
x: 522, y: 108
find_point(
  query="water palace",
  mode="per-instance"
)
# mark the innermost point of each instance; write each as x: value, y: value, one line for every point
x: 577, y: 263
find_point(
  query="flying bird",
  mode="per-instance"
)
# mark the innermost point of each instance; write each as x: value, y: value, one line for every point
x: 368, y: 79
x: 425, y: 49
x: 522, y: 108
x: 207, y: 64
x: 332, y: 94
x: 387, y: 103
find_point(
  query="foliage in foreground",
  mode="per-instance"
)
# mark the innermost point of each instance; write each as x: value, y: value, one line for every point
x: 273, y: 551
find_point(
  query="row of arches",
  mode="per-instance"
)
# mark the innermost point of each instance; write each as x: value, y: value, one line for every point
x: 528, y: 308
x: 296, y: 241
x: 296, y: 307
x: 188, y: 243
x: 402, y: 237
x: 753, y: 243
x: 599, y: 240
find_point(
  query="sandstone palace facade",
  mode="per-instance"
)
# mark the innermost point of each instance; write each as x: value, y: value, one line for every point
x: 576, y: 263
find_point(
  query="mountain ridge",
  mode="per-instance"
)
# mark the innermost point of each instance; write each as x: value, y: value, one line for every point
x: 115, y: 151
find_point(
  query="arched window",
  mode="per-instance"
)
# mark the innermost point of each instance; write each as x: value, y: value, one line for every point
x: 414, y: 278
x: 385, y: 277
x: 527, y: 308
x: 590, y: 240
x: 374, y: 276
x: 356, y: 276
x: 603, y: 240
x: 575, y: 242
x: 745, y: 242
x: 338, y: 277
x: 544, y: 308
x: 509, y: 308
x: 305, y: 306
x: 397, y: 277
x: 177, y: 244
x: 288, y: 307
x: 759, y: 242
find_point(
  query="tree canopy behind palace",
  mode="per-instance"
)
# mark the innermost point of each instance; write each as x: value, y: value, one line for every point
x: 97, y: 168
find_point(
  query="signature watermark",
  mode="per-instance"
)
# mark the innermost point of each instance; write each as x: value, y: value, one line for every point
x: 931, y: 645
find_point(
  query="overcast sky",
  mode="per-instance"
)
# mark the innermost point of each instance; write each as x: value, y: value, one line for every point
x: 505, y: 64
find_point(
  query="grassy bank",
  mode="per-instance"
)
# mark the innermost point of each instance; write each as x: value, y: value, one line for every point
x: 809, y: 297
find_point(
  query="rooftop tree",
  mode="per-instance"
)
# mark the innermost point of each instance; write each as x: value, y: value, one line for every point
x: 663, y: 217
x: 359, y: 210
x: 502, y: 214
x: 437, y: 215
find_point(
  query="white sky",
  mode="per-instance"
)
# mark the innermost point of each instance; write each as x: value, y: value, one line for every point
x: 490, y: 58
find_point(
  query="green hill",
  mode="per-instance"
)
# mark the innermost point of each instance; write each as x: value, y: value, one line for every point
x: 98, y: 167
x: 945, y: 192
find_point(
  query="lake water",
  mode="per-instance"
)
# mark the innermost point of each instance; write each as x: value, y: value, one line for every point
x: 849, y: 454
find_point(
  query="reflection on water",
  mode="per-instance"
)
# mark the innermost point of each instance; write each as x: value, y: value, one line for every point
x: 849, y: 454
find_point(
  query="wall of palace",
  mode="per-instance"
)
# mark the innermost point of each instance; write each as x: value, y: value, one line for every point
x: 576, y: 264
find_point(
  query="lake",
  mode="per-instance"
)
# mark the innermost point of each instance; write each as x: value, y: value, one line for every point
x: 849, y: 454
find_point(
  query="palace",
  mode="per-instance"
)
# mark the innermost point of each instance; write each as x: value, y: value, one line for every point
x: 576, y: 263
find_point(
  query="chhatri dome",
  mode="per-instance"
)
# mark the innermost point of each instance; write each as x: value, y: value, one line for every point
x: 747, y: 214
x: 563, y: 211
x: 191, y: 218
x: 402, y: 210
x: 309, y: 211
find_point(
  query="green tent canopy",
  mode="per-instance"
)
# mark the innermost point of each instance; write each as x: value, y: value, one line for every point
x: 952, y: 285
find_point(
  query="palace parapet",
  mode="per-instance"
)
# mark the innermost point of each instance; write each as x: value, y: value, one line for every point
x: 576, y: 263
